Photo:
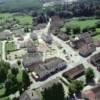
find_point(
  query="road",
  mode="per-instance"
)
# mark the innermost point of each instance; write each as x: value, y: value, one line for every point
x: 75, y: 59
x: 3, y: 51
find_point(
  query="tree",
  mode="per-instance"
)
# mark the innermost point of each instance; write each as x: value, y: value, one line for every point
x: 75, y: 87
x: 56, y: 92
x: 26, y: 80
x: 26, y: 29
x: 68, y: 30
x: 78, y: 85
x: 11, y: 84
x: 19, y: 62
x: 98, y: 24
x: 89, y: 74
x: 3, y: 75
x: 71, y: 89
x: 14, y: 71
x: 86, y: 29
x: 76, y: 30
x: 4, y: 67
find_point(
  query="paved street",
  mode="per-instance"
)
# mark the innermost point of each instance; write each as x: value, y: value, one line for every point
x: 75, y: 59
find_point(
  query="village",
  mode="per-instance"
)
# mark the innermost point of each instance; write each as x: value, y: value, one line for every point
x: 50, y: 59
x: 49, y: 50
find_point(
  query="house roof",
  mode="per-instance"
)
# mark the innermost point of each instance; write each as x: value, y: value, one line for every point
x: 45, y: 68
x: 34, y: 35
x: 30, y: 59
x: 72, y: 73
x: 83, y: 39
x: 97, y: 43
x: 5, y: 34
x: 87, y: 49
x: 63, y: 36
x: 86, y: 37
x: 40, y: 26
x: 32, y: 49
x: 93, y: 94
x: 95, y: 59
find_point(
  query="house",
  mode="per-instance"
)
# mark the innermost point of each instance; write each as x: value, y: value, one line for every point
x: 95, y: 60
x: 29, y: 95
x: 18, y: 32
x: 47, y: 38
x: 40, y: 26
x: 97, y: 43
x: 81, y: 40
x: 47, y: 68
x: 84, y: 43
x: 74, y: 72
x: 25, y: 43
x: 30, y: 59
x: 63, y: 36
x: 92, y: 94
x: 56, y: 23
x: 34, y: 35
x: 5, y: 35
x: 87, y: 50
x: 85, y: 37
x: 32, y: 49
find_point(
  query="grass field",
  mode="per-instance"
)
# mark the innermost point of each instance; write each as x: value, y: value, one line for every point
x: 98, y: 30
x: 2, y: 93
x: 19, y: 76
x: 81, y: 24
x: 24, y: 19
x: 4, y: 16
x: 10, y: 46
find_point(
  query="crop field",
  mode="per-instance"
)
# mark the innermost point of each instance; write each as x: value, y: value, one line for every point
x: 24, y: 19
x: 4, y: 16
x: 81, y: 24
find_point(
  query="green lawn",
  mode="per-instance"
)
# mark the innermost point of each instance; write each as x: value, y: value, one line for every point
x: 4, y: 16
x: 81, y: 24
x: 24, y: 19
x: 19, y: 76
x: 98, y: 30
x: 10, y: 46
x: 5, y: 98
x: 2, y: 93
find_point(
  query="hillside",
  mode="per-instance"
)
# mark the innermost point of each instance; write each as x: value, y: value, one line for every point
x: 9, y: 5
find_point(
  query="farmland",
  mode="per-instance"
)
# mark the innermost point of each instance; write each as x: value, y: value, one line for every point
x: 81, y: 24
x: 23, y: 19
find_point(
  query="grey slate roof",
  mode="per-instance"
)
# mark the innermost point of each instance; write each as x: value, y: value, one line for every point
x: 48, y: 67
